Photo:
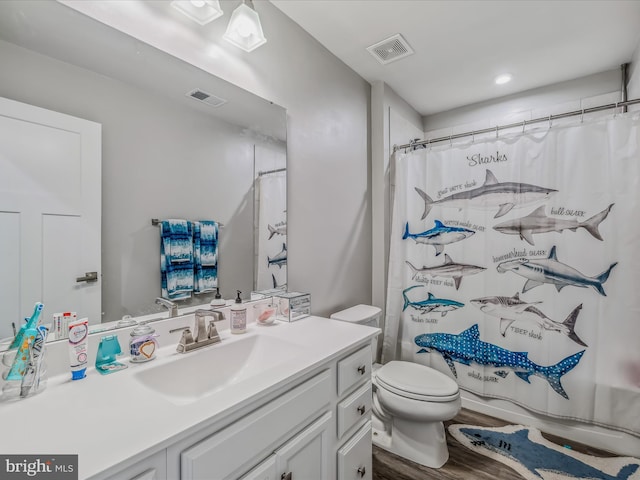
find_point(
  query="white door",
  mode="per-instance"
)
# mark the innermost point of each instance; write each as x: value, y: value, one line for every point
x: 50, y: 214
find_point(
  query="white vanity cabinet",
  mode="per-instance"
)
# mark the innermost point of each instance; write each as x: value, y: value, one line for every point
x: 354, y: 452
x: 153, y: 467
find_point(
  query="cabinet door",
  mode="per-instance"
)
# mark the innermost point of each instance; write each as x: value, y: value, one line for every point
x: 355, y: 456
x: 306, y: 456
x: 265, y: 471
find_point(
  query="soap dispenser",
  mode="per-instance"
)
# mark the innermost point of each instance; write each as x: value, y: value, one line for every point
x: 238, y: 319
x: 218, y: 301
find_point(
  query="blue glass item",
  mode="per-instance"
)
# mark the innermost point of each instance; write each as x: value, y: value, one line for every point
x: 108, y: 350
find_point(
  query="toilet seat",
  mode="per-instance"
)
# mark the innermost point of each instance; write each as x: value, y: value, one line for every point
x: 417, y: 382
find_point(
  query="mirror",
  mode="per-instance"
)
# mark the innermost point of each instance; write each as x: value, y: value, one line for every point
x: 165, y: 154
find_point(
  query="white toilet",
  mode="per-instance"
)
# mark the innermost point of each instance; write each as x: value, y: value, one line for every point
x: 410, y: 402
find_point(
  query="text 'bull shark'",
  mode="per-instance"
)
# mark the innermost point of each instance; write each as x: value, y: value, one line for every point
x: 467, y: 347
x: 492, y: 193
x: 550, y: 270
x: 439, y: 236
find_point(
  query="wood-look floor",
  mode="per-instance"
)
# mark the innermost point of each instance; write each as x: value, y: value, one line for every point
x: 463, y: 464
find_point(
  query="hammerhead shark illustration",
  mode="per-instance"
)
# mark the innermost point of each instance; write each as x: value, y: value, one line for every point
x: 431, y: 303
x: 550, y: 270
x: 439, y: 236
x: 537, y: 222
x: 536, y: 456
x: 467, y: 347
x: 490, y: 194
x: 447, y: 269
x: 512, y: 309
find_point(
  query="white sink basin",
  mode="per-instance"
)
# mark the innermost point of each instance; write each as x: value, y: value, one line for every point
x: 186, y: 378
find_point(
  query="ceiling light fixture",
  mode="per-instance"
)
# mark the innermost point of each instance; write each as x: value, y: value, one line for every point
x: 244, y: 29
x: 200, y: 11
x: 504, y: 78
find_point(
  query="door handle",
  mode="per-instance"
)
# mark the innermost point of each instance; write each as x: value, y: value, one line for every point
x: 88, y: 277
x: 286, y: 476
x: 362, y: 471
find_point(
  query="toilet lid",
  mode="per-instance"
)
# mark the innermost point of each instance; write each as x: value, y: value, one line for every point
x: 417, y: 381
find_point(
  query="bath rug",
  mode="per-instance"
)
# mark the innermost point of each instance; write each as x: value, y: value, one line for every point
x: 531, y: 455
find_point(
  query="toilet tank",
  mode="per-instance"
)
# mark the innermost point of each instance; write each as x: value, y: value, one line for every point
x: 363, y: 315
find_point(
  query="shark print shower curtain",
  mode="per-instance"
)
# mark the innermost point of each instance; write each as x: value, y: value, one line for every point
x: 515, y: 268
x: 271, y: 234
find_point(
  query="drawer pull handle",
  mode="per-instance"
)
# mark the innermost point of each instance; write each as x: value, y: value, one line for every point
x: 362, y: 369
x: 362, y: 471
x: 286, y: 476
x: 362, y: 409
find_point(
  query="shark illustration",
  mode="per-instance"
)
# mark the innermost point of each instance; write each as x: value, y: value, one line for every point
x: 511, y: 309
x: 431, y: 303
x: 447, y: 269
x: 467, y: 347
x: 514, y: 442
x: 491, y: 194
x: 550, y: 270
x: 280, y: 258
x: 537, y: 222
x: 278, y: 229
x: 439, y: 236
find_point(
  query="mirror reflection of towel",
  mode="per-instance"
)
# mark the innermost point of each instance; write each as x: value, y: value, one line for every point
x: 176, y: 259
x: 205, y: 247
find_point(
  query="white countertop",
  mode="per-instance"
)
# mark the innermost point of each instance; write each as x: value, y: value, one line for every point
x: 109, y: 419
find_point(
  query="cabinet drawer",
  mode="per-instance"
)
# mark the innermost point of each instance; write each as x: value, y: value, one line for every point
x: 355, y: 456
x: 353, y: 408
x: 354, y: 368
x: 265, y: 471
x: 223, y: 452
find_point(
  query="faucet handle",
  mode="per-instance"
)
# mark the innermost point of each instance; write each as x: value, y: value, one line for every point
x: 212, y: 331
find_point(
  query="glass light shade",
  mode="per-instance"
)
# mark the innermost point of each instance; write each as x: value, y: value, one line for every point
x: 200, y: 11
x: 244, y: 29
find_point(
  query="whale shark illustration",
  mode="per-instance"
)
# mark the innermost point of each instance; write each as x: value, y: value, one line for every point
x: 448, y: 269
x: 537, y: 222
x: 467, y: 347
x: 512, y: 309
x: 490, y: 194
x: 514, y: 442
x: 431, y: 303
x: 550, y: 270
x: 280, y: 258
x: 439, y: 236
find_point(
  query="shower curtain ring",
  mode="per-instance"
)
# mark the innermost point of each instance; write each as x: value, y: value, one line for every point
x: 497, y: 131
x: 473, y: 136
x: 582, y: 116
x: 549, y: 121
x: 524, y: 122
x: 450, y: 141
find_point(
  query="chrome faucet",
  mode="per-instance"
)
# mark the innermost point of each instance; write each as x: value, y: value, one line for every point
x: 203, y: 334
x: 172, y: 307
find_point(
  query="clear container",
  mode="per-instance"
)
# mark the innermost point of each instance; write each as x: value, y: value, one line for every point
x: 265, y: 313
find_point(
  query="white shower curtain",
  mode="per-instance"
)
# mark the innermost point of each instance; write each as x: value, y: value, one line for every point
x: 515, y: 267
x: 271, y: 235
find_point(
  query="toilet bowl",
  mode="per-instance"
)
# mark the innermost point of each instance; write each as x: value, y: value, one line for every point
x: 410, y: 402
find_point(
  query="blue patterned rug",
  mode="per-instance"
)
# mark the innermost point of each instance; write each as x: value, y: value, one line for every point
x: 531, y: 455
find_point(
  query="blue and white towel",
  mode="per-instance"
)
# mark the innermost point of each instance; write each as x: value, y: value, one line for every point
x: 176, y: 259
x: 205, y: 247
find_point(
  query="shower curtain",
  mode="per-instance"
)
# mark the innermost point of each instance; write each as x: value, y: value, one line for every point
x: 515, y: 268
x: 271, y: 235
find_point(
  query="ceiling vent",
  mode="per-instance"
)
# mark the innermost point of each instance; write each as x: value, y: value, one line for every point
x: 207, y: 98
x: 391, y: 49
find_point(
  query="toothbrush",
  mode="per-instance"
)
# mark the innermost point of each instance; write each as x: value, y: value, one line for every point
x: 21, y: 360
x: 31, y: 324
x: 31, y: 378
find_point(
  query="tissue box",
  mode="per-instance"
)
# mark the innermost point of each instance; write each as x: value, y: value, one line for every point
x: 293, y: 306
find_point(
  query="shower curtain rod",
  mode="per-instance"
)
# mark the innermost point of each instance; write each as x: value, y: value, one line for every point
x: 522, y: 124
x: 272, y: 171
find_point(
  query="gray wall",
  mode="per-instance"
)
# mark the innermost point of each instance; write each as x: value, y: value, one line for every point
x: 329, y: 205
x: 161, y: 159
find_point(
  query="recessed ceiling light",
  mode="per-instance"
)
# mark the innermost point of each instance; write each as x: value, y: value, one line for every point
x: 504, y: 78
